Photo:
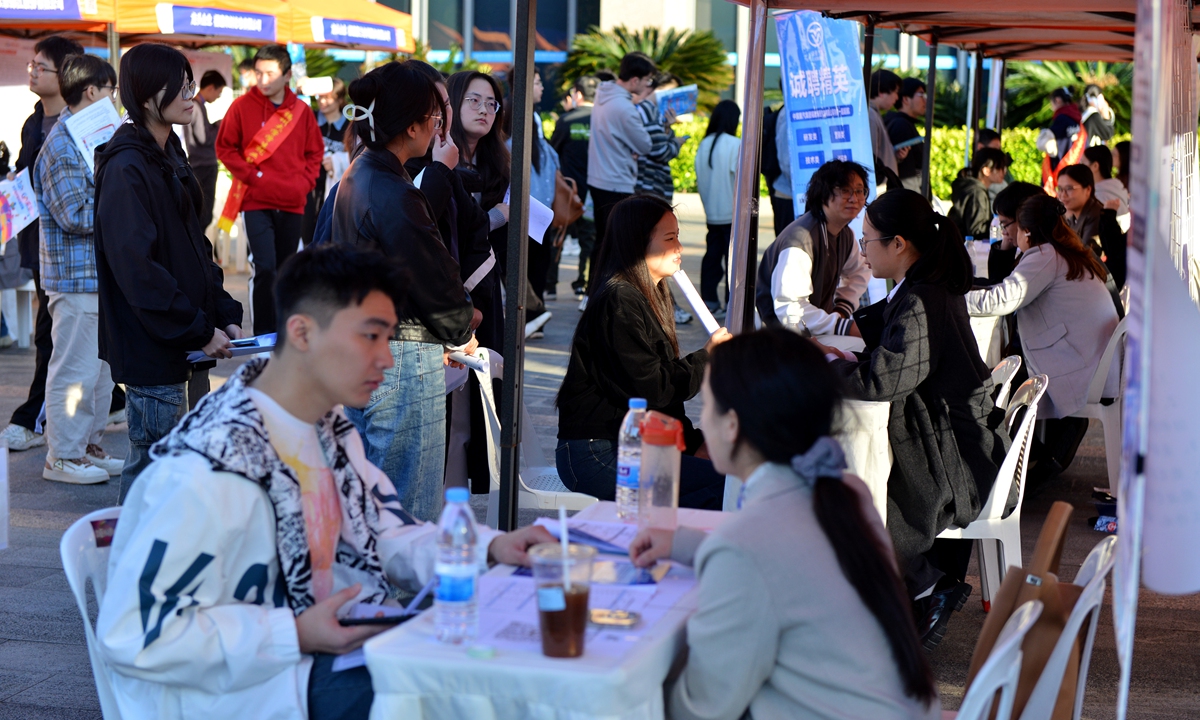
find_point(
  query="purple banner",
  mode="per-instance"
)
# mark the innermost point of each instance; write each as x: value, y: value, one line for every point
x: 349, y: 32
x: 40, y: 10
x: 185, y: 20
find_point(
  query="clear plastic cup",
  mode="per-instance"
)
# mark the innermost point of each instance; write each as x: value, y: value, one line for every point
x: 562, y: 611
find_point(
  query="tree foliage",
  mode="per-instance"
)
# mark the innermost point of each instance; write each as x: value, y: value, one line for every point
x: 1029, y: 85
x: 693, y: 57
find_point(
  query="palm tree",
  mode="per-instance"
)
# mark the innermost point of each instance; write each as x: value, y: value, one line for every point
x: 693, y: 57
x: 1029, y: 85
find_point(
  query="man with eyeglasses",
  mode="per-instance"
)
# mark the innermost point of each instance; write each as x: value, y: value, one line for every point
x: 79, y: 384
x: 902, y: 130
x: 48, y: 56
x: 269, y: 141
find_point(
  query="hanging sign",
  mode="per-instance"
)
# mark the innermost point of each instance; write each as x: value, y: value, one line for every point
x: 352, y: 32
x: 188, y: 20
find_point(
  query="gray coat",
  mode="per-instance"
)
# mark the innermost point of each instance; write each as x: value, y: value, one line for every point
x: 780, y: 632
x: 618, y: 138
x: 1065, y: 326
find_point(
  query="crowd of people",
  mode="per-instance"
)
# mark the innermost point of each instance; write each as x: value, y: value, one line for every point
x: 377, y: 225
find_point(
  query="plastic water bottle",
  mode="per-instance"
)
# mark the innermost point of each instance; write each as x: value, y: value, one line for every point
x: 629, y: 460
x: 456, y: 609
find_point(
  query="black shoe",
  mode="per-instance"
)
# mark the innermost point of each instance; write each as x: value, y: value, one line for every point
x: 580, y: 289
x: 933, y: 612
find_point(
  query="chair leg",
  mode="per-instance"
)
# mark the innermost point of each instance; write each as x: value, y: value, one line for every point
x: 1111, y: 419
x: 991, y: 571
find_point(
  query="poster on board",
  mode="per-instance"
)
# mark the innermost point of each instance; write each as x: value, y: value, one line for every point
x: 824, y: 97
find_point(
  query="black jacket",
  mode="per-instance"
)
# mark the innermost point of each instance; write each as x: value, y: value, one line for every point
x: 620, y: 352
x: 972, y: 211
x: 1098, y: 229
x: 943, y: 428
x: 161, y: 294
x: 31, y: 144
x: 378, y: 208
x: 572, y: 133
x: 900, y: 128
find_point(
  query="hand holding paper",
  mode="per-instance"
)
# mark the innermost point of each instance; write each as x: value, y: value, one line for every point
x: 693, y: 297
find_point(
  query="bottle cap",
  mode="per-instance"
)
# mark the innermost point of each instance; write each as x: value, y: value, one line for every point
x: 637, y: 403
x: 458, y: 495
x: 664, y: 430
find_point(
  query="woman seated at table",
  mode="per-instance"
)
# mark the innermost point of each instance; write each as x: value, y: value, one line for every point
x: 625, y: 347
x: 801, y: 609
x: 1095, y: 225
x: 1064, y: 318
x: 921, y: 356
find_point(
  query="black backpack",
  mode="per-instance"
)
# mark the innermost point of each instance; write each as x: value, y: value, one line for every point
x: 769, y: 162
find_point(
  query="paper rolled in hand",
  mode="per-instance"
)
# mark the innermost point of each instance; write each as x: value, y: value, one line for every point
x: 693, y: 297
x: 471, y: 361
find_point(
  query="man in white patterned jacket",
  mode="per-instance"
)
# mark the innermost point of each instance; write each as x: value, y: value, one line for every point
x: 260, y: 518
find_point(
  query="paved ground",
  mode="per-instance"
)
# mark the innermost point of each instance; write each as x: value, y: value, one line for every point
x: 44, y: 670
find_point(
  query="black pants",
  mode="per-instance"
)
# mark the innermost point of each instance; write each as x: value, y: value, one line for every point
x: 602, y: 204
x: 345, y: 695
x: 207, y: 177
x: 785, y: 213
x: 712, y: 267
x: 585, y: 230
x: 590, y: 467
x: 540, y: 255
x: 274, y: 236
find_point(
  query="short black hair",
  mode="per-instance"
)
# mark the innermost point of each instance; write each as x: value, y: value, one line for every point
x: 1102, y: 156
x: 246, y: 65
x: 829, y: 177
x: 57, y: 49
x: 636, y: 65
x: 987, y: 157
x: 322, y: 280
x: 884, y: 82
x: 278, y: 53
x: 212, y: 78
x: 909, y: 87
x: 586, y: 86
x: 79, y: 72
x: 147, y: 69
x: 985, y: 136
x: 605, y: 75
x: 1063, y: 93
x: 1010, y: 198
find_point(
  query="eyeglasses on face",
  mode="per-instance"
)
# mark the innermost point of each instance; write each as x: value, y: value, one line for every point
x: 1006, y: 225
x: 475, y: 102
x: 854, y: 193
x: 188, y: 91
x: 862, y: 242
x: 1068, y: 189
x: 437, y: 121
x: 36, y: 69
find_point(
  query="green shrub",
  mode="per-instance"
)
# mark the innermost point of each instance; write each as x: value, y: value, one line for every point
x: 949, y: 148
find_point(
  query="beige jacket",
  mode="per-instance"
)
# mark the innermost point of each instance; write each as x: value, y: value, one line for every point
x: 779, y: 630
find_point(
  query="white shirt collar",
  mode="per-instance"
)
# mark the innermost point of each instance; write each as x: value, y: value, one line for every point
x: 896, y: 287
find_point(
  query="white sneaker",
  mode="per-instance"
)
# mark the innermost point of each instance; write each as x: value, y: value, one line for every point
x: 117, y: 417
x: 20, y: 438
x: 583, y: 304
x: 682, y: 317
x: 75, y: 472
x: 96, y: 456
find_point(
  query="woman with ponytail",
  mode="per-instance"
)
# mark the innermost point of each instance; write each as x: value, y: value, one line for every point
x: 921, y: 357
x: 160, y: 293
x: 1065, y: 320
x: 396, y: 111
x: 801, y: 609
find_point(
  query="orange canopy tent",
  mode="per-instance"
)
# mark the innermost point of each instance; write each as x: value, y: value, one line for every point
x: 358, y: 24
x: 204, y: 22
x: 33, y: 18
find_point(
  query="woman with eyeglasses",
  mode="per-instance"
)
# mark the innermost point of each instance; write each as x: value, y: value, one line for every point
x: 161, y: 295
x: 397, y: 110
x: 1096, y: 225
x: 811, y: 277
x: 921, y: 357
x: 475, y: 98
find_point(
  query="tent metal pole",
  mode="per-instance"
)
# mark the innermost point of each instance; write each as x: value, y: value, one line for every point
x: 977, y: 100
x: 972, y: 113
x: 1000, y: 99
x: 930, y: 101
x: 468, y: 28
x: 868, y: 53
x: 512, y: 393
x: 114, y: 49
x: 743, y: 244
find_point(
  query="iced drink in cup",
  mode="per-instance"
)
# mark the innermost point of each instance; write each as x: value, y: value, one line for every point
x: 562, y: 596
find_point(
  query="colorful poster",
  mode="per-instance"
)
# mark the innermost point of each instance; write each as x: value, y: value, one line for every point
x: 824, y: 97
x: 18, y: 206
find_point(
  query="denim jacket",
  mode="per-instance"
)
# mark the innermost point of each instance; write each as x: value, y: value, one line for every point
x: 66, y: 194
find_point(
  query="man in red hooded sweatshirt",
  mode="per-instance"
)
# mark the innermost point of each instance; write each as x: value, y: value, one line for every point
x: 269, y: 141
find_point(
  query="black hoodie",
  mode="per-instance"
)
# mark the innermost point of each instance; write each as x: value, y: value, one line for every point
x: 161, y: 294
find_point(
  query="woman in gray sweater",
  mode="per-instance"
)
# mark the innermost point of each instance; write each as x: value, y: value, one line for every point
x: 801, y: 610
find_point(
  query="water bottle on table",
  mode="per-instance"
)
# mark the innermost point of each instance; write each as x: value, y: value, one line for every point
x: 629, y: 460
x: 662, y: 447
x: 456, y: 610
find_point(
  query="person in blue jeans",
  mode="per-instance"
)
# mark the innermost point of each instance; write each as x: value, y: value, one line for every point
x: 161, y: 296
x: 397, y: 110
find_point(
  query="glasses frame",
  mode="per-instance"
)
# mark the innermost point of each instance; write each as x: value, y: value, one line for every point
x: 438, y: 121
x: 189, y: 90
x: 40, y: 69
x: 862, y: 242
x: 491, y: 107
x: 841, y: 193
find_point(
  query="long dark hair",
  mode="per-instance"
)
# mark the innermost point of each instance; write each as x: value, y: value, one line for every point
x: 146, y: 69
x: 724, y: 121
x: 491, y: 158
x: 404, y: 95
x: 1122, y: 151
x: 944, y: 260
x: 785, y: 396
x: 623, y: 257
x: 1042, y: 217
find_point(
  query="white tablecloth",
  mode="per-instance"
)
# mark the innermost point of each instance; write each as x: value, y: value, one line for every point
x: 418, y: 678
x: 862, y: 429
x: 989, y: 337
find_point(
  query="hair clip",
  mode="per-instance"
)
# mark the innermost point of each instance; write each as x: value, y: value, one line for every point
x: 355, y: 113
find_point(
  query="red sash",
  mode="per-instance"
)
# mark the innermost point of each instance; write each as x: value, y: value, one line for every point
x: 262, y: 146
x: 1072, y: 157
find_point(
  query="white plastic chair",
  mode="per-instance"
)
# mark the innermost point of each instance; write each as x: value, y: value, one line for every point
x: 1109, y: 415
x: 1093, y: 576
x: 1001, y: 671
x: 82, y: 561
x: 991, y: 526
x: 1002, y: 376
x: 541, y: 488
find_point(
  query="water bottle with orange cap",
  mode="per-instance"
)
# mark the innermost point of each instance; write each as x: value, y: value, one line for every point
x: 658, y: 486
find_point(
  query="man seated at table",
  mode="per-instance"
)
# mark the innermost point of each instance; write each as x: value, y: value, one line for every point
x: 260, y: 518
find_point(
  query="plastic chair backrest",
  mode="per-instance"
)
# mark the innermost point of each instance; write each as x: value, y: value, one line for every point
x: 1028, y: 395
x: 1095, y: 570
x: 82, y: 561
x: 1002, y: 376
x: 1016, y: 461
x: 1096, y: 388
x: 1002, y: 669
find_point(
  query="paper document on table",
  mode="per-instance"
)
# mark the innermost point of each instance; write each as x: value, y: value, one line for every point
x: 245, y: 346
x: 540, y: 217
x: 93, y: 126
x: 18, y: 206
x: 693, y: 297
x: 604, y: 536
